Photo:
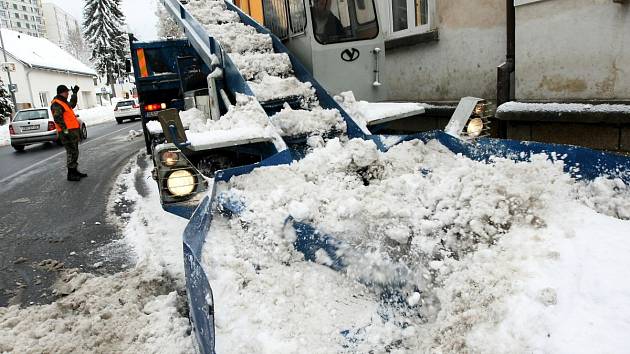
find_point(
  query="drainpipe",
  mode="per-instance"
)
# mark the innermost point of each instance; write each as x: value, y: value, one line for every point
x: 28, y: 81
x: 505, y: 71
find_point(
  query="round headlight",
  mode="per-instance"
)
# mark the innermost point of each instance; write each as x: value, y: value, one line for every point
x: 475, y: 127
x: 180, y: 183
x: 170, y: 158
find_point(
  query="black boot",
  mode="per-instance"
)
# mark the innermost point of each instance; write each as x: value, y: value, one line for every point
x: 81, y: 174
x: 73, y: 175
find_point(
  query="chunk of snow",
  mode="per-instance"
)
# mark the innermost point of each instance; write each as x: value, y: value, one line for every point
x: 294, y: 122
x: 271, y: 88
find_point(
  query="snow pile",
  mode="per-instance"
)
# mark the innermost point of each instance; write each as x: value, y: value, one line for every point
x: 5, y: 138
x: 474, y: 257
x: 271, y: 88
x: 291, y: 122
x: 212, y: 12
x: 268, y: 73
x: 245, y: 120
x: 96, y: 115
x: 365, y: 112
x: 135, y: 311
x: 563, y: 108
x: 128, y: 312
x: 240, y: 39
x: 256, y: 66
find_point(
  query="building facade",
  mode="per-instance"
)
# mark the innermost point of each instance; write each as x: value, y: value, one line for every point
x: 59, y: 24
x: 24, y: 16
x: 442, y: 50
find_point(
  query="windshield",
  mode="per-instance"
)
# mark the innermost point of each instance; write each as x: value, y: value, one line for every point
x: 336, y: 21
x: 31, y: 115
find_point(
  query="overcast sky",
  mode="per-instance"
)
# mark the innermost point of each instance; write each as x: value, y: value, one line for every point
x: 140, y: 15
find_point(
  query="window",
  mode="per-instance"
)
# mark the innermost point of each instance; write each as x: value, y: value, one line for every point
x: 285, y: 18
x: 43, y: 98
x: 16, y: 15
x: 336, y: 21
x: 18, y: 24
x: 15, y: 6
x: 409, y: 17
x: 275, y: 14
x: 297, y: 15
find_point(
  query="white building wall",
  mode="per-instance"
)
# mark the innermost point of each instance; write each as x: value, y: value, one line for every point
x: 572, y: 50
x: 43, y: 84
x: 463, y: 62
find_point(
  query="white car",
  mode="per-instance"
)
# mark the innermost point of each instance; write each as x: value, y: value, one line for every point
x: 126, y: 109
x: 36, y: 125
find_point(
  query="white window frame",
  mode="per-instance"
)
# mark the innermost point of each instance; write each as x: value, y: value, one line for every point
x: 411, y: 19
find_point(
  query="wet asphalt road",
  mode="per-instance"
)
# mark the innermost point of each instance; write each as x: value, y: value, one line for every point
x: 44, y: 217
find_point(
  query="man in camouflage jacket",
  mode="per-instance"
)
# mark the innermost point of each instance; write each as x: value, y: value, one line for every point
x: 68, y: 128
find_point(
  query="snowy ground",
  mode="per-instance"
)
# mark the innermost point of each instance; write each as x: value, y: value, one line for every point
x: 138, y: 310
x: 97, y: 115
x: 4, y: 135
x: 502, y: 258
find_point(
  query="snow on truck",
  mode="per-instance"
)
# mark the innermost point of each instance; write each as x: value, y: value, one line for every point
x: 240, y: 129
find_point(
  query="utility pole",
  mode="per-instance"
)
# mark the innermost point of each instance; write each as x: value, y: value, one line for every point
x: 4, y: 52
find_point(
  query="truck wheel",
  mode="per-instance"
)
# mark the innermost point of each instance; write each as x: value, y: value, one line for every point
x: 119, y: 121
x: 83, y: 132
x: 18, y: 148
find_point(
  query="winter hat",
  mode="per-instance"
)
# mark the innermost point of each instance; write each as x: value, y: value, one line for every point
x: 61, y: 89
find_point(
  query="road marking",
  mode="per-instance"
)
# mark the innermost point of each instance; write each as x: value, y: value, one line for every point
x: 24, y: 170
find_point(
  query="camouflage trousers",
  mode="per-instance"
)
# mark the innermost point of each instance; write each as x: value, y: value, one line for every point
x: 71, y: 142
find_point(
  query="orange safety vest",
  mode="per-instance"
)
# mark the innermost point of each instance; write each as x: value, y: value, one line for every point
x: 71, y: 120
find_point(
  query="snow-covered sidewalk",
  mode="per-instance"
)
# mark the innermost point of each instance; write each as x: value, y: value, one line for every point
x: 137, y: 310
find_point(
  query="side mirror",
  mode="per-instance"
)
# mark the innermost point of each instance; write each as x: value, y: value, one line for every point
x: 128, y: 65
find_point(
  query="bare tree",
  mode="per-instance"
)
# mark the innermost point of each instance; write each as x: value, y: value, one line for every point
x: 76, y: 46
x: 166, y: 26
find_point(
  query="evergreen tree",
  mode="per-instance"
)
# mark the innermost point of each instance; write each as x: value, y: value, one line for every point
x: 6, y: 104
x: 103, y: 22
x: 166, y: 25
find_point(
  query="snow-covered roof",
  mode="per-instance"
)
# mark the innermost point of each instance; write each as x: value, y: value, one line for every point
x: 42, y: 53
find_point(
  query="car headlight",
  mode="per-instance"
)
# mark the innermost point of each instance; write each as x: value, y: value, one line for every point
x: 475, y: 127
x: 180, y: 183
x: 169, y: 158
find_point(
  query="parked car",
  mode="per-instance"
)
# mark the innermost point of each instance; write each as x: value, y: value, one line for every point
x: 126, y: 109
x: 36, y: 125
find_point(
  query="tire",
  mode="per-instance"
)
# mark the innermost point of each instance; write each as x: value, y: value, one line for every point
x: 119, y: 120
x: 18, y: 148
x: 58, y: 142
x: 84, y: 132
